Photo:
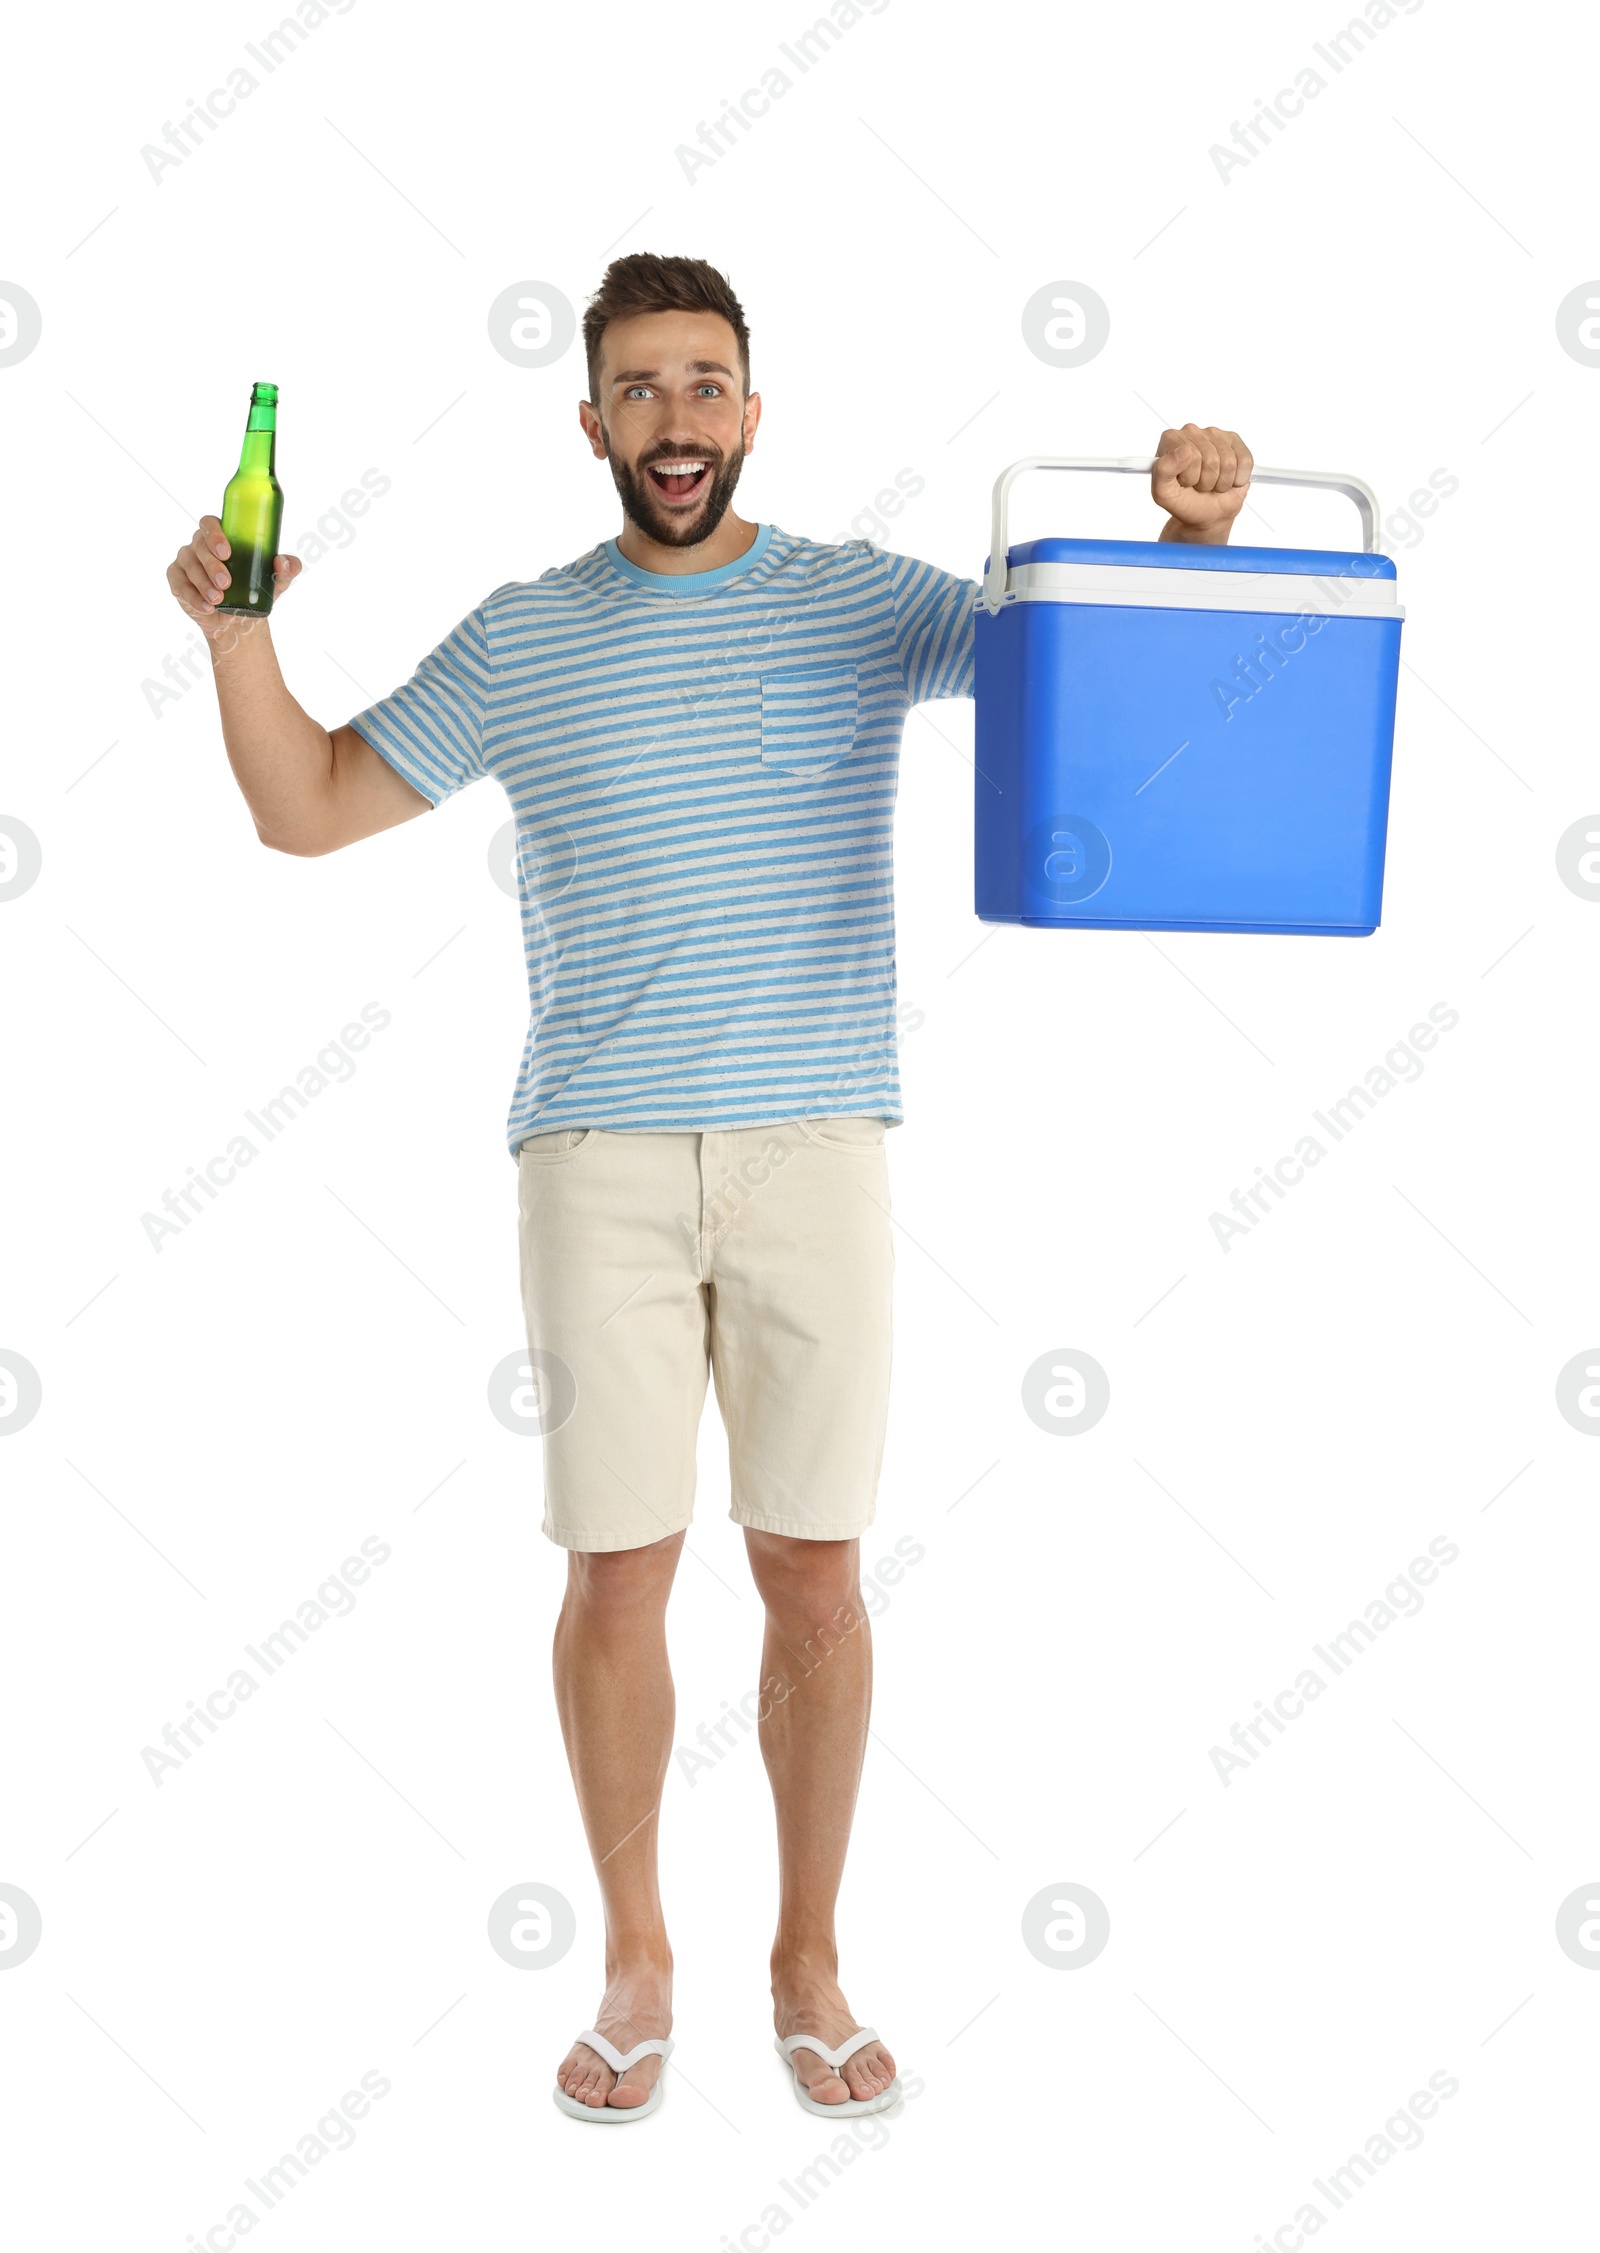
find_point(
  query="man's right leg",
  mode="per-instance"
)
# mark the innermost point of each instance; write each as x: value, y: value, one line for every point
x: 618, y: 1332
x: 617, y: 1321
x: 614, y: 1692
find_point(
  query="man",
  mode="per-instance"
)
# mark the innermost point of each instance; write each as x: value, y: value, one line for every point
x: 698, y: 726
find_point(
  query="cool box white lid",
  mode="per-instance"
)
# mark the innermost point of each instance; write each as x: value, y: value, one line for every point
x: 1140, y: 587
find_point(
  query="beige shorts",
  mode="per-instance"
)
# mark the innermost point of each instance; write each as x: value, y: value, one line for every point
x: 762, y: 1255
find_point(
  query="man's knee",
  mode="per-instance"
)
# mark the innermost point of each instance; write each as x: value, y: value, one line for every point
x: 806, y: 1580
x: 613, y: 1583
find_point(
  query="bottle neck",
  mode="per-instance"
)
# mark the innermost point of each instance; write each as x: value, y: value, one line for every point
x: 257, y: 454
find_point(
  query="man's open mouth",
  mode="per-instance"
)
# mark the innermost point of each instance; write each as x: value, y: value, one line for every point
x: 682, y: 478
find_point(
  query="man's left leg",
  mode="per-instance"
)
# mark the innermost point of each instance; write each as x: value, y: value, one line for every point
x: 801, y: 1269
x: 816, y: 1674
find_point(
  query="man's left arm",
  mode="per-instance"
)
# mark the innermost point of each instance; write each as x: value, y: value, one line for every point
x: 1201, y: 477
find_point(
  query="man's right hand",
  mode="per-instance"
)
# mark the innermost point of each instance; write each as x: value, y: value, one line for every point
x: 310, y: 789
x: 198, y: 576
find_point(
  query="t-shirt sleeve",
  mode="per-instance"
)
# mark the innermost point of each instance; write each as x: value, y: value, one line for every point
x: 933, y: 629
x: 431, y: 730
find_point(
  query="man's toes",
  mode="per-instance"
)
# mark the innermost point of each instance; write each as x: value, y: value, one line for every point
x: 869, y: 2072
x: 589, y: 2083
x: 628, y: 2094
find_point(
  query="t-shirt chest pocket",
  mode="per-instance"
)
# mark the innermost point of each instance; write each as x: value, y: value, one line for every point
x: 808, y: 718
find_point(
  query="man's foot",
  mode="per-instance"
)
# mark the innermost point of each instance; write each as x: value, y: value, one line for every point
x: 812, y: 2003
x: 636, y: 2007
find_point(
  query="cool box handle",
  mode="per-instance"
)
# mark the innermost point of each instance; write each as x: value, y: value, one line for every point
x: 1140, y: 465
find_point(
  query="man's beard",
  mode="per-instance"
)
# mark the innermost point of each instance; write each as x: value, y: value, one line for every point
x: 645, y: 506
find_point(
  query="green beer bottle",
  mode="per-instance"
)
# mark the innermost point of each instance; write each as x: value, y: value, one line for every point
x: 252, y: 509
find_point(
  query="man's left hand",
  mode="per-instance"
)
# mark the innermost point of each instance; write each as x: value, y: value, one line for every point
x: 1200, y: 478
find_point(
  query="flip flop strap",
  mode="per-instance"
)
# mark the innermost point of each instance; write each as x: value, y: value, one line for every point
x: 847, y: 2048
x: 620, y: 2060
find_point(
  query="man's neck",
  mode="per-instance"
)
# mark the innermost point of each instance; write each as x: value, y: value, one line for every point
x: 732, y: 538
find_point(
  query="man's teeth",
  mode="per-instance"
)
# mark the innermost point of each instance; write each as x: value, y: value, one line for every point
x: 677, y: 469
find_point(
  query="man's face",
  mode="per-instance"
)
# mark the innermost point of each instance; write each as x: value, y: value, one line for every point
x: 673, y: 421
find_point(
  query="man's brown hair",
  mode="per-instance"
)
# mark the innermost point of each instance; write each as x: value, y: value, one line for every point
x: 645, y: 283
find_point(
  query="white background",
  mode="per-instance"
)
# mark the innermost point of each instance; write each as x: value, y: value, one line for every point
x: 224, y: 1420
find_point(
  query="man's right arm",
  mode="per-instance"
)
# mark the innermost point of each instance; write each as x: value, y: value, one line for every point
x: 309, y: 790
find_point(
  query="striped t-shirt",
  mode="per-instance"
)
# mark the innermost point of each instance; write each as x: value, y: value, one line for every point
x: 703, y: 772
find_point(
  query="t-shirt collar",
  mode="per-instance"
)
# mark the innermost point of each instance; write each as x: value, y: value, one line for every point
x: 688, y: 582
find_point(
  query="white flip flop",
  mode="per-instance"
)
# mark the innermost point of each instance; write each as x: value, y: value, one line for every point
x: 619, y: 2062
x: 847, y: 2048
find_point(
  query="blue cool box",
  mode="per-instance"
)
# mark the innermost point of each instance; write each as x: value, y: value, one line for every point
x: 1185, y: 738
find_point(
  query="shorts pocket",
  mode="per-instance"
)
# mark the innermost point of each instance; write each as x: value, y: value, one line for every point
x: 861, y: 1137
x: 550, y: 1149
x: 808, y: 718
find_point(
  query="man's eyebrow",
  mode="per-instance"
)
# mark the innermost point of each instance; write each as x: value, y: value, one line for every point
x: 652, y: 375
